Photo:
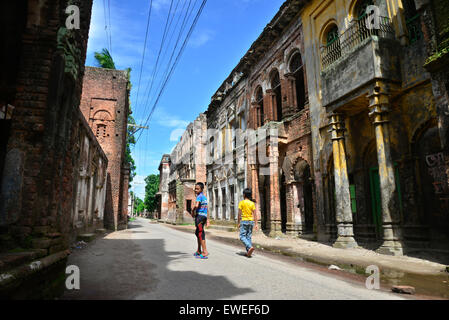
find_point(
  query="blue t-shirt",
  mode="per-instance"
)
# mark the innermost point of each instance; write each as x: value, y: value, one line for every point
x: 202, y: 209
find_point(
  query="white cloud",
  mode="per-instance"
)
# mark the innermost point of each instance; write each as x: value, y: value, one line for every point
x: 201, y: 38
x: 166, y: 119
x: 176, y: 135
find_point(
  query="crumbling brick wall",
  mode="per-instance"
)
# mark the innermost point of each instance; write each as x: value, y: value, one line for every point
x: 105, y: 106
x: 40, y: 164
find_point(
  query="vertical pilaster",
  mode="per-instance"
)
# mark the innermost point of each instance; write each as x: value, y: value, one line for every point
x: 379, y: 108
x: 255, y: 190
x: 275, y: 202
x: 342, y: 196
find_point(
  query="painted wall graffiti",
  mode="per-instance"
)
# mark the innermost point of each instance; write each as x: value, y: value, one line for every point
x: 438, y: 168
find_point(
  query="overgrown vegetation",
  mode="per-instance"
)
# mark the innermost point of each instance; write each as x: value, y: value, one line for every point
x: 151, y: 188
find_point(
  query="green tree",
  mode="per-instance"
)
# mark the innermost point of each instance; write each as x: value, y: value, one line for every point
x: 151, y: 188
x: 104, y: 59
x: 139, y: 206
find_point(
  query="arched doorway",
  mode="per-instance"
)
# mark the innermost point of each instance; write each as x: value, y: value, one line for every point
x: 304, y: 191
x: 432, y: 182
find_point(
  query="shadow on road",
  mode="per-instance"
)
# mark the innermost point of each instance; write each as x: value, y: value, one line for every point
x: 116, y: 269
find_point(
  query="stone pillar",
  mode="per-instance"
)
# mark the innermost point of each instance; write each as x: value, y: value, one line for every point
x: 271, y: 114
x: 275, y: 202
x: 296, y: 218
x: 255, y: 190
x: 345, y: 225
x: 379, y: 108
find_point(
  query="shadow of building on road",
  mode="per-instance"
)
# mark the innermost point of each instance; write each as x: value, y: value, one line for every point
x: 116, y: 269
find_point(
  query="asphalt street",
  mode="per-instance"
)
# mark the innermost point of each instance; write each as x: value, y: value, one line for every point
x: 155, y: 262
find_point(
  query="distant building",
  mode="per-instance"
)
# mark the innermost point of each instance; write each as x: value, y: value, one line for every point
x: 163, y: 195
x: 180, y: 171
x: 105, y: 105
x: 227, y: 118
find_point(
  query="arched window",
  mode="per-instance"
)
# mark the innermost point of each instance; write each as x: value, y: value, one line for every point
x: 360, y: 8
x: 277, y: 92
x: 331, y: 50
x: 412, y: 20
x: 260, y: 111
x: 297, y: 70
x: 332, y: 35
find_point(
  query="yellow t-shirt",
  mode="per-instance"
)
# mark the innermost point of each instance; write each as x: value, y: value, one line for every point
x: 247, y: 207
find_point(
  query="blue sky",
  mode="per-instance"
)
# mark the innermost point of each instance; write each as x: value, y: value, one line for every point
x: 225, y: 31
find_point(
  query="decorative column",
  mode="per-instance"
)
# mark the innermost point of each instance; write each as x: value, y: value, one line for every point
x: 272, y: 106
x: 291, y: 225
x: 298, y: 196
x: 254, y: 115
x: 275, y: 202
x: 379, y: 108
x: 255, y: 190
x: 342, y: 195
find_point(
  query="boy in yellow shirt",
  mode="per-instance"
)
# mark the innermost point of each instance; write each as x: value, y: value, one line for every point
x: 247, y: 220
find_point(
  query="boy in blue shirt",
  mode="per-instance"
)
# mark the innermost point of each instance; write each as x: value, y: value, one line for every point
x: 199, y: 213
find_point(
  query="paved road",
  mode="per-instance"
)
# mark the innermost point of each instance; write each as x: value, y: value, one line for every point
x: 151, y: 261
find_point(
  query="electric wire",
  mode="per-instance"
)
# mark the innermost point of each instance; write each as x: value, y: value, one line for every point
x: 181, y: 51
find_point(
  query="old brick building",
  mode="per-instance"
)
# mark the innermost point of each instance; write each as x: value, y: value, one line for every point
x: 163, y: 194
x: 105, y: 105
x: 351, y: 121
x: 268, y: 90
x: 185, y: 166
x: 379, y: 161
x: 280, y: 111
x: 48, y: 154
x: 226, y: 158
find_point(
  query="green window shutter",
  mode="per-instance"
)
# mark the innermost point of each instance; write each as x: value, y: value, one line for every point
x: 353, y: 199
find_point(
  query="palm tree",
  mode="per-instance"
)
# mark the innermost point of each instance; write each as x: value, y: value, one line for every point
x: 104, y: 59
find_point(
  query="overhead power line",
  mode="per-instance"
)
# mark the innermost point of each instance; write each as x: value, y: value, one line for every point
x: 175, y: 63
x: 144, y: 51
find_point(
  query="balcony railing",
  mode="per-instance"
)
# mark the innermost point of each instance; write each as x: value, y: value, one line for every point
x: 356, y: 34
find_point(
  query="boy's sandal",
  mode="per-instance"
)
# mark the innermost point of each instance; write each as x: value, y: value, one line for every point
x: 202, y: 257
x: 196, y: 254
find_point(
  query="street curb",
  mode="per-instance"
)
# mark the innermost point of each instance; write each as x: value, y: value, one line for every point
x: 425, y: 282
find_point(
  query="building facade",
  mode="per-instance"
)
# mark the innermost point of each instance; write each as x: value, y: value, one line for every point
x: 347, y: 125
x: 280, y: 112
x: 272, y: 152
x: 187, y: 167
x: 379, y: 161
x: 105, y: 105
x: 226, y: 157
